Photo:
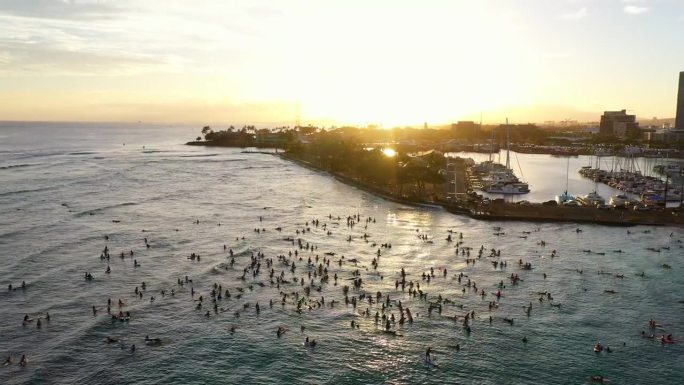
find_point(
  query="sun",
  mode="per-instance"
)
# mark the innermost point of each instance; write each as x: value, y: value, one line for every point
x: 389, y: 152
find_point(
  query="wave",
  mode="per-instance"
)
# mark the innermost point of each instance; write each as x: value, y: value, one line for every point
x: 7, y: 193
x: 154, y: 151
x: 82, y: 153
x: 197, y: 156
x: 221, y: 268
x: 178, y: 160
x: 18, y: 166
x: 101, y: 209
x: 256, y: 167
x: 38, y: 154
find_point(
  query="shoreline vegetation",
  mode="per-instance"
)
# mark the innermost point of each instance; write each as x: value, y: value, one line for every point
x: 417, y: 179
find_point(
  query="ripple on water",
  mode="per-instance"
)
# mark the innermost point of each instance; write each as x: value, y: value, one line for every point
x: 50, y: 248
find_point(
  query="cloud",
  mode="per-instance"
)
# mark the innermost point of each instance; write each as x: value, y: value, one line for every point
x: 60, y: 9
x: 635, y: 9
x: 66, y: 47
x: 42, y: 59
x: 77, y: 37
x: 579, y: 14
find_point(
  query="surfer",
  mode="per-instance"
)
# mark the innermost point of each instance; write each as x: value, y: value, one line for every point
x: 281, y: 330
x: 598, y: 348
x: 667, y: 340
x: 429, y: 359
x: 309, y: 343
x: 152, y: 341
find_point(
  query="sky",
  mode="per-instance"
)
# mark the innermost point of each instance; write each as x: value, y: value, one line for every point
x: 330, y: 62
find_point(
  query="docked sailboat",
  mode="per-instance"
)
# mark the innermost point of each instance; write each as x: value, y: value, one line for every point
x: 565, y: 197
x: 667, y: 169
x: 500, y: 179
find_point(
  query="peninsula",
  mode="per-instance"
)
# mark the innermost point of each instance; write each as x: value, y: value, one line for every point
x: 422, y: 178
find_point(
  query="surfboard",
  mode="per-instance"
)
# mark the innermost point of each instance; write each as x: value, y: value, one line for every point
x: 429, y: 361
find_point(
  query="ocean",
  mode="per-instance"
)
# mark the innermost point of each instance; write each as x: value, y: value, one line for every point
x: 68, y: 191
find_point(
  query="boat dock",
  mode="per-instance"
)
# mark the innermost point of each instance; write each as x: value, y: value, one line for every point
x: 648, y: 188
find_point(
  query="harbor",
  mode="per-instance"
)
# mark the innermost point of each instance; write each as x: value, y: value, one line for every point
x: 604, y: 203
x: 649, y: 190
x: 547, y: 175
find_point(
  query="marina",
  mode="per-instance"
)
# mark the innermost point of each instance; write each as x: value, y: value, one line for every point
x: 645, y: 189
x: 546, y: 175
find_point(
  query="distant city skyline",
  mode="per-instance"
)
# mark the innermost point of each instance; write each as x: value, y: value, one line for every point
x: 391, y: 63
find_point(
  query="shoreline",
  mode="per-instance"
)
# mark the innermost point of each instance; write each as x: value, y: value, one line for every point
x: 535, y: 212
x: 559, y: 151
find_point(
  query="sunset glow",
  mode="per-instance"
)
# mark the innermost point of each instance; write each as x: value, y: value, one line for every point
x: 389, y: 152
x: 337, y: 62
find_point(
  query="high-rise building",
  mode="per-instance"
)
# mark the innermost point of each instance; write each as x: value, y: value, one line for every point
x: 620, y: 124
x: 679, y: 120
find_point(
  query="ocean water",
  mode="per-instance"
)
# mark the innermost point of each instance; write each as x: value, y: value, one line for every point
x: 65, y: 187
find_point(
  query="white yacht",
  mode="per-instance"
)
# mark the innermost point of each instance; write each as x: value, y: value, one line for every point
x: 495, y: 178
x: 621, y: 200
x: 591, y: 199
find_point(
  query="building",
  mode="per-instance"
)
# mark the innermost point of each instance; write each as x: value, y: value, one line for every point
x: 679, y: 120
x: 465, y: 129
x: 665, y: 136
x: 618, y: 123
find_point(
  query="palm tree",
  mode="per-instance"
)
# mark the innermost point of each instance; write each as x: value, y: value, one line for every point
x: 206, y: 130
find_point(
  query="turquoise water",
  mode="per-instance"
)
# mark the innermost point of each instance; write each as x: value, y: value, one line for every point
x: 64, y: 186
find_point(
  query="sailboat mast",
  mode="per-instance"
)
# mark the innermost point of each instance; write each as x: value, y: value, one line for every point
x: 491, y: 141
x: 567, y: 173
x: 508, y: 145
